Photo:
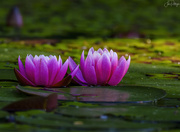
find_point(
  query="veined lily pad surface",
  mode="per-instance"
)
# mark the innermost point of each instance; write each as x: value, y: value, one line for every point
x: 147, y: 98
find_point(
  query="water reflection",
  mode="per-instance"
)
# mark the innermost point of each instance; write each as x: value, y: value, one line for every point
x: 99, y: 94
x: 90, y: 94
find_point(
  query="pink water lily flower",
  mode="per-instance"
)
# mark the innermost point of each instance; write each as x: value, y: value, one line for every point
x: 101, y: 67
x: 44, y: 71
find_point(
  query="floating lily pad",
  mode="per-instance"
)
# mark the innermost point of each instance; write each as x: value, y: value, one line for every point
x: 165, y: 76
x: 11, y: 54
x: 7, y: 74
x: 45, y: 92
x: 76, y: 104
x: 9, y: 127
x: 8, y: 65
x: 119, y: 94
x: 169, y: 102
x: 150, y: 113
x: 30, y: 113
x: 140, y: 113
x: 139, y: 74
x: 8, y: 83
x: 10, y: 94
x: 3, y: 104
x: 3, y: 114
x: 133, y: 113
x: 50, y: 120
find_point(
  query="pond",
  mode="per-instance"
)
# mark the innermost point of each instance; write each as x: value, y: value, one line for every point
x: 147, y: 98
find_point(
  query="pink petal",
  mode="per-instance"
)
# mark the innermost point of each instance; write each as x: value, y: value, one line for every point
x: 127, y: 64
x: 22, y: 79
x: 82, y: 62
x: 53, y: 68
x: 100, y: 51
x: 31, y: 57
x: 104, y: 66
x: 96, y: 57
x: 99, y: 72
x: 105, y: 50
x: 30, y: 69
x: 60, y: 75
x: 121, y: 59
x: 111, y: 53
x: 114, y: 62
x: 59, y: 63
x: 21, y: 67
x: 73, y: 73
x: 118, y: 73
x: 91, y: 50
x: 90, y: 74
x: 78, y: 75
x: 80, y: 83
x: 36, y: 61
x: 43, y: 73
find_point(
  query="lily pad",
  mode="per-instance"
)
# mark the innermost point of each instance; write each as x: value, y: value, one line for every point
x: 119, y: 94
x: 133, y: 113
x: 7, y: 74
x: 139, y: 74
x: 55, y: 121
x: 150, y: 113
x: 10, y: 94
x: 8, y: 65
x: 8, y: 83
x: 9, y: 127
x: 3, y: 114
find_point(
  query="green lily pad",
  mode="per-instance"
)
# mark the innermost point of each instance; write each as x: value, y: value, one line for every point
x: 50, y: 120
x: 169, y: 102
x: 139, y: 74
x: 8, y: 65
x: 165, y: 76
x: 9, y: 127
x: 76, y: 104
x: 10, y: 94
x: 30, y: 113
x: 109, y: 94
x: 3, y: 114
x: 8, y: 83
x: 3, y: 104
x: 7, y: 74
x: 174, y: 130
x: 150, y: 113
x: 133, y: 113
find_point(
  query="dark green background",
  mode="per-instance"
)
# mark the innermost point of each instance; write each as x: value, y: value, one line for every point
x: 92, y: 18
